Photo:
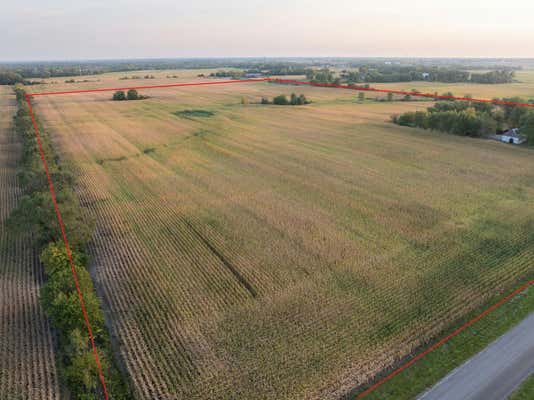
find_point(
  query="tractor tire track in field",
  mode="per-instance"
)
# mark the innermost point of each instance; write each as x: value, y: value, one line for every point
x: 268, y: 263
x: 240, y: 278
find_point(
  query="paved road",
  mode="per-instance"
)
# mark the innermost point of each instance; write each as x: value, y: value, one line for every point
x: 494, y: 372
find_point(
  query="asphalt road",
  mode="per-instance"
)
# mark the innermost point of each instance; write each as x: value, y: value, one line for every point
x: 495, y: 372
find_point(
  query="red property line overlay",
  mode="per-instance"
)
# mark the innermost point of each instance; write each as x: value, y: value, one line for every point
x: 67, y: 247
x: 444, y: 340
x: 281, y: 81
x: 428, y: 95
x: 294, y: 82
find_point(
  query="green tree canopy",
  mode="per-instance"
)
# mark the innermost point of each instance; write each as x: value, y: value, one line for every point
x: 132, y: 94
x: 119, y: 95
x: 527, y: 126
x: 281, y: 100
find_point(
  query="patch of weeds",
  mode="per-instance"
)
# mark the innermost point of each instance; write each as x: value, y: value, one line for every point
x: 149, y: 150
x: 200, y: 133
x: 196, y: 113
x: 101, y: 161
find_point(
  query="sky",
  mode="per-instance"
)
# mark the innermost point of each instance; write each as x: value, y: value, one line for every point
x: 103, y: 29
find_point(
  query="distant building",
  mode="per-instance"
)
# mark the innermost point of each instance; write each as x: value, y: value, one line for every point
x: 513, y: 137
x: 249, y: 75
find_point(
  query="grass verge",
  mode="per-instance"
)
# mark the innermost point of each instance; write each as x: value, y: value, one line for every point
x: 526, y: 391
x: 430, y: 369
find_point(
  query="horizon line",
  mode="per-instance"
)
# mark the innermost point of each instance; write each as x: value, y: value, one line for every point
x: 101, y: 59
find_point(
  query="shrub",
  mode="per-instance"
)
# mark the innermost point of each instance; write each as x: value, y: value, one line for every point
x: 406, y: 119
x: 119, y: 95
x: 60, y: 297
x: 281, y: 100
x: 298, y: 100
x: 527, y: 126
x: 302, y: 100
x: 35, y: 213
x: 132, y: 95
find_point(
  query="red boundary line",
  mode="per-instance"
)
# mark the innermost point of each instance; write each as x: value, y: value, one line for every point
x: 67, y: 247
x: 281, y: 81
x: 294, y: 82
x: 444, y: 340
x: 427, y: 95
x: 152, y: 87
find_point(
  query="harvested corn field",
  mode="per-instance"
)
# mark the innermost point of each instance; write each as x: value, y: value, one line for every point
x: 250, y: 251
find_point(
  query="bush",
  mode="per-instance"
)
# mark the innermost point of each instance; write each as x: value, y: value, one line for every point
x: 281, y: 100
x: 406, y: 119
x: 302, y: 100
x: 132, y: 95
x: 119, y: 95
x: 36, y: 213
x: 527, y: 126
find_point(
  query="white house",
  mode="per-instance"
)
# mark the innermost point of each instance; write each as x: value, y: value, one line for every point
x: 513, y: 137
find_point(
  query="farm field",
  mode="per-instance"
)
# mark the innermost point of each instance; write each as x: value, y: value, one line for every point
x: 523, y: 88
x: 247, y: 251
x: 27, y: 361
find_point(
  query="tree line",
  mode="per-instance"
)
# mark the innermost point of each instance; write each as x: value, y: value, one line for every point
x: 473, y: 119
x: 35, y: 214
x: 384, y: 74
x: 12, y: 78
x: 365, y: 70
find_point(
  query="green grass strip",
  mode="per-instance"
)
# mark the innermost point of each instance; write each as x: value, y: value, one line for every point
x: 437, y: 364
x: 526, y: 391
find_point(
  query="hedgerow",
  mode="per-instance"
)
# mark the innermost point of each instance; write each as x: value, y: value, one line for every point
x: 36, y: 214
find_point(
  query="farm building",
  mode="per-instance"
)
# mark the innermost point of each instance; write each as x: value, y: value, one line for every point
x: 513, y: 137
